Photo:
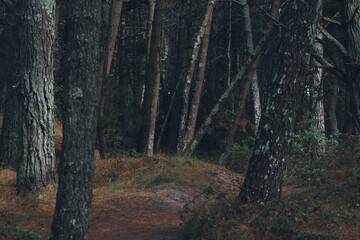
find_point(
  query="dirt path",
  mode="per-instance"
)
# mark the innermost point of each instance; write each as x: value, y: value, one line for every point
x: 149, y: 215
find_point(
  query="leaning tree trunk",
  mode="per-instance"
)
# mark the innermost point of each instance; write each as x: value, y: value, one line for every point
x: 151, y: 95
x: 9, y: 146
x: 36, y: 102
x: 352, y: 31
x: 290, y: 57
x: 105, y: 68
x: 76, y: 168
x: 195, y: 103
x: 190, y: 73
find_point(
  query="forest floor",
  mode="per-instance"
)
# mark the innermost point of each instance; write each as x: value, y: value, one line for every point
x: 169, y: 197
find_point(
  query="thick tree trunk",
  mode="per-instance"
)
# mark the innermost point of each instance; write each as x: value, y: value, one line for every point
x: 76, y: 168
x: 151, y: 95
x: 9, y: 145
x: 189, y: 76
x: 352, y: 31
x: 290, y: 57
x: 36, y: 102
x: 194, y: 107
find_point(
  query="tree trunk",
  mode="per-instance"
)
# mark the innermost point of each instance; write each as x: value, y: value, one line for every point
x: 352, y: 31
x: 247, y: 73
x: 169, y: 131
x: 151, y: 96
x: 194, y: 107
x: 112, y: 32
x: 189, y: 76
x: 76, y: 168
x: 36, y: 102
x: 152, y: 4
x: 290, y: 57
x: 9, y: 146
x: 317, y: 105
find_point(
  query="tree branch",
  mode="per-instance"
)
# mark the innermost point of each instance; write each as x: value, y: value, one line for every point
x: 333, y: 40
x: 326, y: 65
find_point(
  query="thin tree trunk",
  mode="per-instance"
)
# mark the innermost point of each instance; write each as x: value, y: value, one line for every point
x: 245, y: 73
x: 152, y: 4
x: 194, y: 107
x: 36, y: 102
x: 289, y: 61
x: 76, y: 168
x: 172, y: 116
x: 189, y: 76
x: 112, y: 33
x: 151, y: 96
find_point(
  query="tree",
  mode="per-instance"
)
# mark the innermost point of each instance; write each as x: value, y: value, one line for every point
x: 289, y: 56
x: 9, y: 145
x: 352, y: 33
x: 36, y: 118
x: 151, y: 95
x: 76, y: 168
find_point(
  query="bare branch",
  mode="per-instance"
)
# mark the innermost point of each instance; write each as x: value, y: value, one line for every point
x: 326, y: 65
x: 333, y: 40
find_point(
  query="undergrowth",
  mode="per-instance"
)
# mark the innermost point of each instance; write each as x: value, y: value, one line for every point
x: 324, y: 199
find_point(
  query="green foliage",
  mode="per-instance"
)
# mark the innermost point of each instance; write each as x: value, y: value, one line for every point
x: 239, y: 155
x: 8, y: 232
x: 161, y: 179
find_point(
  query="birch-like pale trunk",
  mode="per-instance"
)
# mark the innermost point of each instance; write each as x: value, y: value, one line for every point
x: 194, y: 107
x: 246, y: 72
x: 189, y: 76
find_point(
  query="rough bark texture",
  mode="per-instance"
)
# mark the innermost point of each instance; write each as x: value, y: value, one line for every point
x: 36, y: 102
x: 352, y: 31
x: 290, y: 57
x: 76, y: 168
x: 9, y: 145
x: 151, y: 95
x: 195, y: 103
x: 317, y: 105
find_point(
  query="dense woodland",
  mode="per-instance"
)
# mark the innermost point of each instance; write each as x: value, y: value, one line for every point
x: 241, y: 84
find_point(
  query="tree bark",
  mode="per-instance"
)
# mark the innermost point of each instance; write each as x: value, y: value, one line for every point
x: 189, y: 76
x: 9, y: 145
x: 352, y: 31
x: 36, y: 102
x: 151, y: 95
x: 152, y: 4
x: 317, y: 105
x: 290, y: 58
x: 169, y: 131
x: 112, y: 33
x: 194, y: 107
x: 246, y: 72
x: 76, y: 168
